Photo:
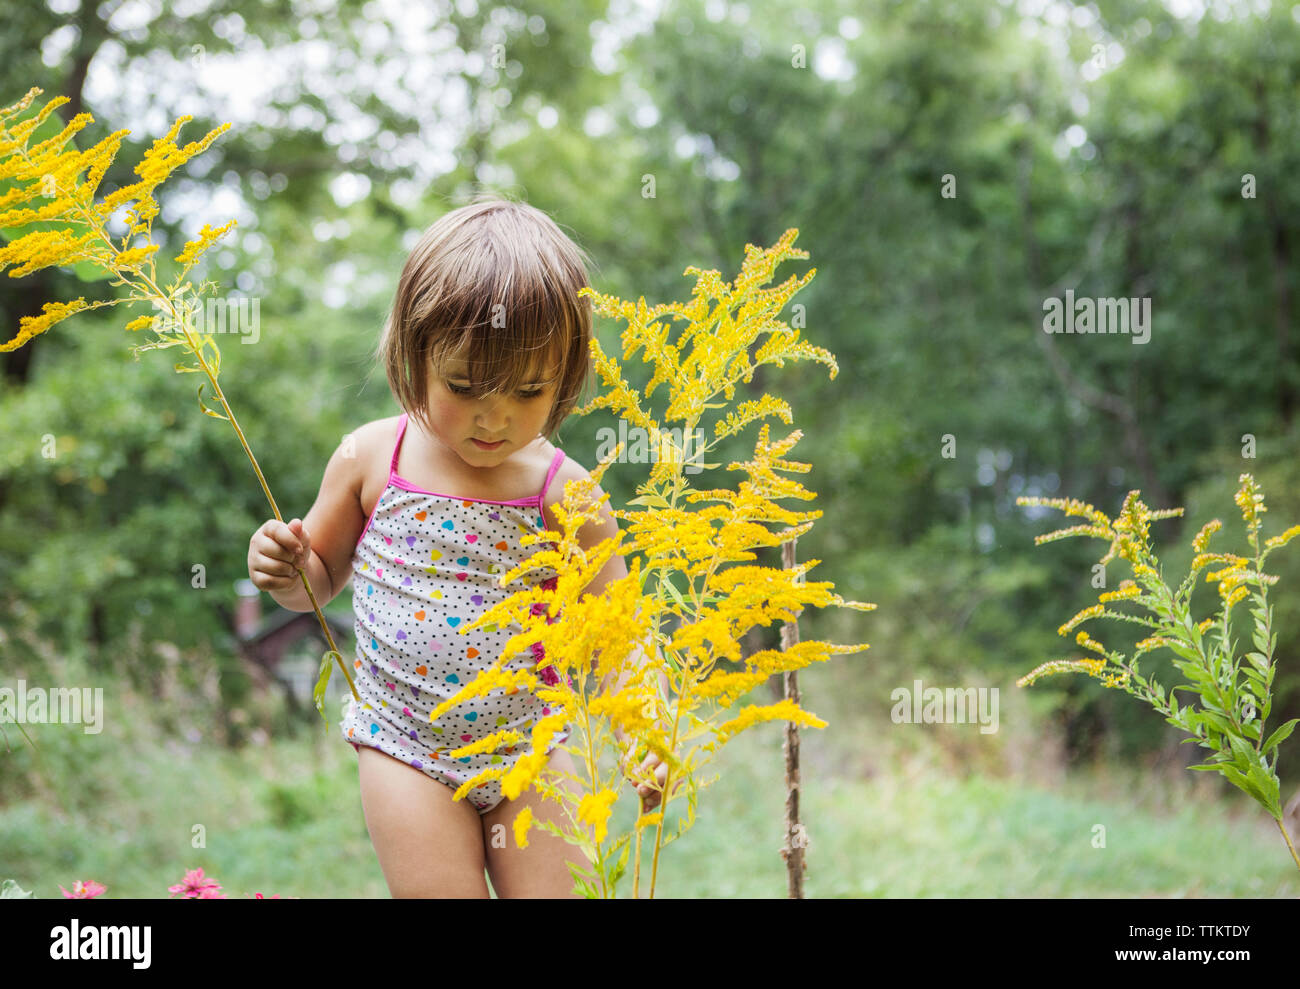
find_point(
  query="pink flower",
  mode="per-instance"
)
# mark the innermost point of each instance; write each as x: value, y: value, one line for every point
x: 196, y: 886
x: 550, y: 583
x: 259, y: 896
x: 84, y: 890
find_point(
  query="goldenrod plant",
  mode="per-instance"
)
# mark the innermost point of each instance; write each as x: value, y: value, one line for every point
x: 49, y: 189
x: 1228, y: 693
x: 610, y: 666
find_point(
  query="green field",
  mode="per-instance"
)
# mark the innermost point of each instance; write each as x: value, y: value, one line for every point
x: 286, y: 818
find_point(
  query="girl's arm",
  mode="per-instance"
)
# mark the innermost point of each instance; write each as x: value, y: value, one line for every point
x: 333, y: 526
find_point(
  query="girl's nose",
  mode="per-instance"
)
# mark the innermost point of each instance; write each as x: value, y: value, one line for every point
x: 492, y: 416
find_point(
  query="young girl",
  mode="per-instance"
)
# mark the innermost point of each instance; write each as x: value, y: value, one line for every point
x: 487, y: 350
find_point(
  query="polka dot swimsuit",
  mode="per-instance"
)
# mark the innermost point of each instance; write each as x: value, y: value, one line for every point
x: 425, y: 564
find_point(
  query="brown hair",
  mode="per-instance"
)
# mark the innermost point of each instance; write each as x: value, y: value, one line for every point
x: 495, y: 281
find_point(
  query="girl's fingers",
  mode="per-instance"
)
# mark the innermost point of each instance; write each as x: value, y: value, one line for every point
x: 281, y: 537
x: 276, y: 568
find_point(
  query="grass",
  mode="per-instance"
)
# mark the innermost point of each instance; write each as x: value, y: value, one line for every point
x: 286, y: 818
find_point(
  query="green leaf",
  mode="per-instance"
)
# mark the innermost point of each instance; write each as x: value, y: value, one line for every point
x: 1242, y: 782
x: 1279, y: 736
x: 1218, y: 721
x: 1255, y: 680
x: 204, y: 407
x: 88, y: 271
x: 160, y: 344
x: 580, y: 871
x: 650, y: 501
x: 620, y: 867
x: 10, y: 890
x: 583, y: 881
x: 1267, y: 783
x: 318, y: 693
x: 672, y: 590
x: 1241, y: 748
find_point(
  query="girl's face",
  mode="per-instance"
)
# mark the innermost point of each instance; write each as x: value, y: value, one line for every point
x: 511, y: 421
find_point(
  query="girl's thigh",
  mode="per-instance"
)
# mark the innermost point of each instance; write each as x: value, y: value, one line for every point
x: 428, y: 845
x: 539, y: 870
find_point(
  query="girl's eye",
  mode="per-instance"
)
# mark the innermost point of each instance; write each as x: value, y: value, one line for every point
x: 462, y: 390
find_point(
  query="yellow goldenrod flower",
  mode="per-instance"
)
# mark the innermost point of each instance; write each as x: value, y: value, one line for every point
x: 1089, y: 612
x: 1070, y: 506
x: 1204, y: 626
x: 1204, y: 559
x: 194, y: 249
x: 1118, y: 679
x: 1283, y: 539
x: 1088, y: 642
x: 52, y: 170
x: 51, y: 313
x: 488, y: 680
x: 1251, y: 502
x: 523, y: 821
x: 1126, y: 591
x: 474, y: 782
x: 1153, y: 642
x: 527, y: 767
x: 753, y: 714
x: 595, y: 810
x: 1203, y: 537
x: 1092, y: 667
x: 46, y: 248
x: 135, y: 257
x: 488, y: 743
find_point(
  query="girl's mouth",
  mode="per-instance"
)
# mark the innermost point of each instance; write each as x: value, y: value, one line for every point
x: 487, y: 446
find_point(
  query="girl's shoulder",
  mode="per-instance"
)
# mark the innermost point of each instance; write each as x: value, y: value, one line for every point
x: 569, y: 470
x: 372, y: 444
x: 376, y: 437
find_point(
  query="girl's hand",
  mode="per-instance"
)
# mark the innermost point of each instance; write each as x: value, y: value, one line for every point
x: 275, y: 553
x: 650, y: 795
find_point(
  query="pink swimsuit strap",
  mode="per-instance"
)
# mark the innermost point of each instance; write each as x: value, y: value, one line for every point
x: 401, y: 482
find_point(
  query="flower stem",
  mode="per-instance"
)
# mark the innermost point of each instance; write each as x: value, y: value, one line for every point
x: 196, y: 349
x: 1287, y: 838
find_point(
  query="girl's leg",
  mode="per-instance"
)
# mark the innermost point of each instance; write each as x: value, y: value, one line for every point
x: 538, y: 870
x: 428, y: 845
